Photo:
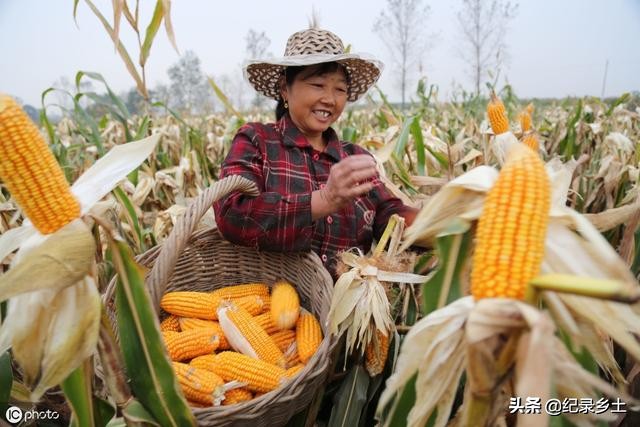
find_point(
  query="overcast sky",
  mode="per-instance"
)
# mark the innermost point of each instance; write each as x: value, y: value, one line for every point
x: 557, y: 47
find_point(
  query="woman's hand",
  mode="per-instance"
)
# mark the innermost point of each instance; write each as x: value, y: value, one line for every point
x: 349, y: 178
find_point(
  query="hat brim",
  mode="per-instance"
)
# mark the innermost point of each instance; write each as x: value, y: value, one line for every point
x: 264, y: 74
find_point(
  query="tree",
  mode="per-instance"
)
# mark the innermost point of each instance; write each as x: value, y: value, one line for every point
x: 188, y: 88
x: 402, y: 29
x: 256, y: 48
x: 483, y: 25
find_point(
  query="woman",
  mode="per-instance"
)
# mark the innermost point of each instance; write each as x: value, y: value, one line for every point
x: 317, y: 192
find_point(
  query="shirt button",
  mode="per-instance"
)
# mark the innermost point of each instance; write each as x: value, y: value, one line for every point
x: 316, y: 156
x: 322, y: 186
x: 324, y: 258
x: 329, y: 220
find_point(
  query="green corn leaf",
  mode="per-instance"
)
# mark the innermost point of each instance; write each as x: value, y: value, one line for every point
x: 77, y: 390
x: 224, y: 99
x: 121, y: 107
x: 403, y: 139
x: 6, y: 380
x: 132, y: 218
x: 146, y: 362
x: 445, y: 285
x: 152, y: 30
x: 418, y: 141
x: 350, y: 399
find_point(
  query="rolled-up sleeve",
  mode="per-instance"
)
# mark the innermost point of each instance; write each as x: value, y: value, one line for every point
x: 270, y: 221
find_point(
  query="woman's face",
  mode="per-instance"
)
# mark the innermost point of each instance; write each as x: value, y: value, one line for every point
x: 315, y: 102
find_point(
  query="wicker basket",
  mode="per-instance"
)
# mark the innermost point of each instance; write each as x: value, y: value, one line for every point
x: 204, y: 261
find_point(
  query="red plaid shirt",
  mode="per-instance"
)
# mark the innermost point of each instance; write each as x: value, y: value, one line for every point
x: 286, y: 169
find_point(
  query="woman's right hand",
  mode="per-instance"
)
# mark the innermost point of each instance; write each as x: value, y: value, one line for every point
x: 349, y: 178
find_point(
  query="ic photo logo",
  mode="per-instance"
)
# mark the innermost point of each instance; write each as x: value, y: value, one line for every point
x: 14, y: 415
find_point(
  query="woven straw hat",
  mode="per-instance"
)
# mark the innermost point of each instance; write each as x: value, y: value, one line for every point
x: 309, y: 47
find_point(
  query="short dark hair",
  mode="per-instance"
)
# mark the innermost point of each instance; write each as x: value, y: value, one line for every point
x: 290, y: 74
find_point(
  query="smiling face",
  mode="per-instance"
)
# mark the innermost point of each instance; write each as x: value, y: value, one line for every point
x: 316, y: 99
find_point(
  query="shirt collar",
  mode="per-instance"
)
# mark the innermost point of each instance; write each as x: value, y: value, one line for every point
x: 292, y: 137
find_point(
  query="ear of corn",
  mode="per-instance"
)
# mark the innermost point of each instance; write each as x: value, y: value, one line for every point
x: 525, y: 118
x: 284, y: 339
x: 245, y: 290
x: 170, y: 323
x: 376, y: 353
x: 198, y: 385
x: 31, y: 173
x: 192, y: 343
x: 258, y: 375
x: 285, y: 305
x: 266, y: 323
x: 204, y: 305
x: 531, y: 141
x: 205, y: 362
x: 294, y: 370
x: 237, y: 395
x: 246, y: 336
x: 308, y: 336
x: 188, y: 323
x: 497, y: 115
x: 512, y: 228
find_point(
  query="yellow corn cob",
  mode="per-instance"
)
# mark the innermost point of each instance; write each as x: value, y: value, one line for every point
x: 512, y: 228
x: 531, y: 140
x: 258, y: 375
x: 285, y: 305
x: 187, y: 323
x: 31, y: 173
x: 525, y: 118
x: 284, y: 339
x: 198, y: 385
x: 245, y: 290
x: 266, y: 323
x: 192, y: 343
x: 237, y: 395
x: 308, y: 336
x: 294, y: 370
x: 204, y: 305
x: 497, y: 116
x: 376, y: 353
x: 170, y: 323
x: 204, y: 362
x: 246, y: 336
x: 167, y: 334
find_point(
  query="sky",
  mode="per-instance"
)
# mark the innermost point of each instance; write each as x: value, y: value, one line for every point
x: 557, y: 48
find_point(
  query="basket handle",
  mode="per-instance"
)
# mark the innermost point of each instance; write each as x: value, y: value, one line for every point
x: 173, y: 246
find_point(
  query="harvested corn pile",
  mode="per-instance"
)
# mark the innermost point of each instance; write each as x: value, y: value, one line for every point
x: 246, y: 336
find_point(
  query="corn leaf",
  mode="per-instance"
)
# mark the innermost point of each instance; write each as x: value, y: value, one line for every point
x: 121, y: 110
x: 152, y: 30
x: 166, y: 5
x: 117, y: 14
x: 446, y: 285
x: 350, y: 399
x: 146, y: 362
x: 418, y: 141
x: 6, y: 380
x: 132, y: 218
x: 223, y: 98
x: 13, y: 238
x: 77, y: 390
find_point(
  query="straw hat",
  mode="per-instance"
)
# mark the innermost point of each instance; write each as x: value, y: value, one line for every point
x: 309, y: 47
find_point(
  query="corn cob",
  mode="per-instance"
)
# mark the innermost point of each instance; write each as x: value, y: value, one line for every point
x: 294, y: 370
x: 258, y: 375
x: 245, y: 290
x: 531, y: 141
x: 188, y: 323
x: 376, y: 353
x: 192, y: 343
x: 237, y: 395
x: 205, y: 362
x: 198, y: 385
x: 285, y: 305
x: 246, y: 336
x: 266, y: 323
x: 525, y: 118
x: 497, y: 115
x: 512, y: 227
x: 170, y: 323
x: 204, y: 305
x: 308, y: 336
x: 31, y: 173
x: 284, y: 339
